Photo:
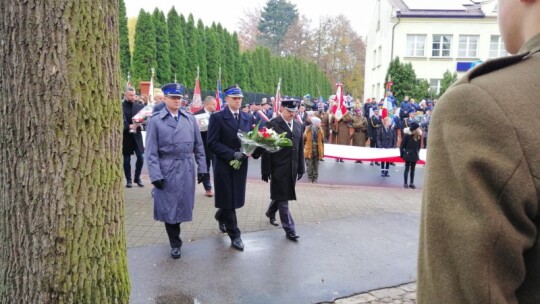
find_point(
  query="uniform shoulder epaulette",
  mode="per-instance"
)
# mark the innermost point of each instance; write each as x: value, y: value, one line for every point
x: 496, y: 64
x: 154, y: 114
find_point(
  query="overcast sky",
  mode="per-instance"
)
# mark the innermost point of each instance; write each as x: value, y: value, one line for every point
x: 359, y: 12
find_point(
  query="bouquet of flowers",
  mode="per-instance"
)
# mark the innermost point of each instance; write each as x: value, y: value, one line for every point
x: 142, y: 116
x: 264, y: 138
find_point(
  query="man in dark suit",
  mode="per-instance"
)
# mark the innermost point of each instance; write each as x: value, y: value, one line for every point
x: 285, y: 167
x: 229, y: 183
x: 209, y: 108
x: 302, y: 115
x: 132, y: 138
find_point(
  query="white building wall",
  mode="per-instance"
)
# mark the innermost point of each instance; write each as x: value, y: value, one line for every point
x: 379, y: 44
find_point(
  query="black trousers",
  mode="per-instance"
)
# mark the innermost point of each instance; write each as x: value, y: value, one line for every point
x: 385, y: 166
x: 206, y: 182
x: 373, y: 142
x: 285, y: 216
x: 138, y: 165
x: 173, y: 231
x: 411, y: 166
x: 228, y: 217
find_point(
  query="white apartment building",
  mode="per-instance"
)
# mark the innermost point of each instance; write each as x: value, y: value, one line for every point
x: 433, y: 35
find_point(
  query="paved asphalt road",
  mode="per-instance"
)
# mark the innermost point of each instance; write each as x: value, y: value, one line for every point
x: 347, y: 173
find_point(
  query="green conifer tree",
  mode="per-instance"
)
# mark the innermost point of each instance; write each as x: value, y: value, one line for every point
x: 201, y: 49
x: 125, y: 55
x: 144, y: 55
x: 163, y: 67
x: 177, y: 51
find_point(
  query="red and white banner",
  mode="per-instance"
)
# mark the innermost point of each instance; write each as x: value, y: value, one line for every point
x: 339, y: 109
x: 196, y: 103
x: 277, y: 99
x: 367, y: 154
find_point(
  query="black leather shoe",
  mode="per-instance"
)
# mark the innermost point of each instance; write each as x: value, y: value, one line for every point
x: 292, y: 236
x: 237, y: 244
x: 272, y: 219
x: 139, y: 183
x: 412, y: 186
x: 129, y: 185
x: 405, y: 186
x: 175, y: 253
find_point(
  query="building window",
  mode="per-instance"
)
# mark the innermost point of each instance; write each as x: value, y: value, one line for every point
x: 378, y: 15
x: 434, y: 86
x: 442, y: 44
x: 416, y: 45
x: 374, y: 59
x: 379, y: 59
x: 496, y: 47
x: 468, y: 46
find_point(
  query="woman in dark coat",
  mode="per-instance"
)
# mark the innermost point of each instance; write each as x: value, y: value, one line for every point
x: 409, y: 149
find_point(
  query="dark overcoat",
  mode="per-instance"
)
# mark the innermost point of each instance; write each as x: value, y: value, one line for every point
x: 374, y: 123
x: 409, y: 148
x: 284, y: 166
x: 222, y: 139
x: 172, y: 148
x: 386, y: 138
x: 131, y: 140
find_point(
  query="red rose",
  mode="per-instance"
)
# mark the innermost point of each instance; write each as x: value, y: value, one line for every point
x: 263, y: 130
x: 266, y: 135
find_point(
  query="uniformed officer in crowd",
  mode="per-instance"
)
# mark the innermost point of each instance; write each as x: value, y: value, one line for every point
x: 374, y: 124
x: 229, y: 183
x: 285, y: 167
x: 173, y: 147
x: 480, y: 222
x: 132, y: 141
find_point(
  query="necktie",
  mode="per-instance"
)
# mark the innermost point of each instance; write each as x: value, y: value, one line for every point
x: 176, y: 118
x: 290, y: 125
x: 236, y: 116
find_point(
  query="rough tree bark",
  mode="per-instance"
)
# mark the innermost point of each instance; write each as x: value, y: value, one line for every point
x: 62, y: 236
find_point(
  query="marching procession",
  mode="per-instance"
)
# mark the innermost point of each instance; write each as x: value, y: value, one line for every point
x: 185, y: 142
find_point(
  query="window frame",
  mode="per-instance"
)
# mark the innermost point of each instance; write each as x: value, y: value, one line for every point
x: 500, y: 50
x: 415, y: 44
x: 441, y: 42
x: 468, y: 51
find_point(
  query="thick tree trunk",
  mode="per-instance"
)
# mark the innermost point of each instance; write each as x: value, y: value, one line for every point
x: 62, y: 237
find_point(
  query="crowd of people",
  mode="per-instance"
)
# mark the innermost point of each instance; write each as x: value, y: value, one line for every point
x: 178, y: 152
x: 479, y: 223
x: 177, y: 148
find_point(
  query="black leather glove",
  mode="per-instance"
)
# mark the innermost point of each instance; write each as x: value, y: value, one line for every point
x: 201, y: 177
x: 257, y: 153
x: 158, y: 183
x: 265, y: 177
x: 240, y: 156
x: 299, y: 176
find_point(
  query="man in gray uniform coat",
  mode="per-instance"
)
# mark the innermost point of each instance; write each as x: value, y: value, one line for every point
x: 172, y: 140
